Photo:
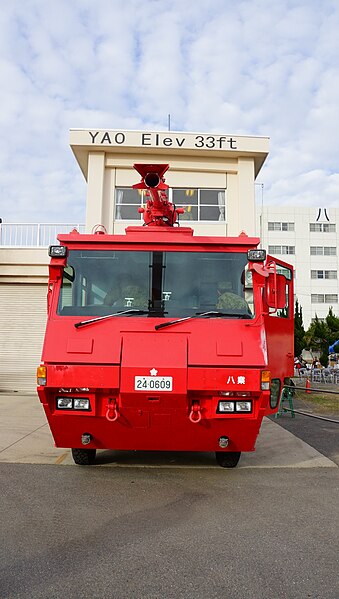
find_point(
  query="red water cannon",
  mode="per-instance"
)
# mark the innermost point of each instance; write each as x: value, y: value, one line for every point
x: 159, y: 210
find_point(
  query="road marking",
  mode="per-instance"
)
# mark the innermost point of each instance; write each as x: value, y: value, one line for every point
x: 61, y: 458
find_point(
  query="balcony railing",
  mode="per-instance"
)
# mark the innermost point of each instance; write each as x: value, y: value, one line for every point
x: 33, y: 234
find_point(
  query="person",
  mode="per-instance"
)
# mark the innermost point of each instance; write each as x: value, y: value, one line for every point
x: 125, y: 293
x: 297, y: 365
x: 227, y: 299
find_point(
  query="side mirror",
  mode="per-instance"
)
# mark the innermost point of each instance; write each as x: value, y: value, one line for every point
x: 69, y: 273
x: 275, y: 291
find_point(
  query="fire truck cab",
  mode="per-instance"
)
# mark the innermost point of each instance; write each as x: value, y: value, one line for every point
x: 162, y: 340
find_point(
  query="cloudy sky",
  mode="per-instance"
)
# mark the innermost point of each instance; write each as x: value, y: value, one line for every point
x: 252, y: 67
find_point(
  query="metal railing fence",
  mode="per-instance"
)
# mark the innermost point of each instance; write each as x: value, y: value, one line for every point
x: 318, y: 375
x: 34, y: 234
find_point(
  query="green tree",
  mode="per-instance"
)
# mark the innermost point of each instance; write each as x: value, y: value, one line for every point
x: 316, y: 338
x: 321, y: 334
x: 299, y: 331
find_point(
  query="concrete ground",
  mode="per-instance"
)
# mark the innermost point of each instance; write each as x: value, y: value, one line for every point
x: 25, y: 438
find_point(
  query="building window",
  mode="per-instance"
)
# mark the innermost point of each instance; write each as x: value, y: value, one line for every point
x: 317, y: 298
x: 322, y: 228
x: 317, y: 250
x: 324, y: 274
x: 127, y: 202
x: 281, y: 249
x: 199, y: 204
x: 324, y: 298
x: 277, y: 226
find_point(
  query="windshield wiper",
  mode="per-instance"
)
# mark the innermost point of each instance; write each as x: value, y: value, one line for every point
x: 209, y: 314
x: 83, y: 323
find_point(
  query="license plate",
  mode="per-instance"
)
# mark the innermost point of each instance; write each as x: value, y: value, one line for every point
x: 153, y: 383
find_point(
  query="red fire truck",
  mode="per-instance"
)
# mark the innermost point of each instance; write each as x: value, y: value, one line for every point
x: 163, y: 340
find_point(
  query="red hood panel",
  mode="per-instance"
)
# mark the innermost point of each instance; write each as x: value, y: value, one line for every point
x: 230, y: 343
x: 95, y: 344
x: 194, y: 343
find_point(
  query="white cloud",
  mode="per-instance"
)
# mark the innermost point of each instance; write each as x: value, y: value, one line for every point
x: 254, y: 67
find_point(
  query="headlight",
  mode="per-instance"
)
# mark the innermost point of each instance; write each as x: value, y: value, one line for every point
x: 57, y: 251
x: 81, y: 403
x: 229, y: 407
x: 64, y: 403
x: 225, y: 406
x: 73, y: 403
x: 243, y: 406
x: 256, y: 255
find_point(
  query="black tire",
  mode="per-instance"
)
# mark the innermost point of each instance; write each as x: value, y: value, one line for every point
x: 227, y: 459
x: 84, y: 457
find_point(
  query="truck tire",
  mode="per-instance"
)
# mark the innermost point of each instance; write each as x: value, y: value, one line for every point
x: 227, y: 459
x: 84, y: 457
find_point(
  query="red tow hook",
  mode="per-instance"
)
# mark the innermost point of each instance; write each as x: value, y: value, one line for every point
x: 195, y: 413
x: 112, y: 413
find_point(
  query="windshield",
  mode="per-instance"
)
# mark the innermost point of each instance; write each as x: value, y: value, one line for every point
x: 158, y: 283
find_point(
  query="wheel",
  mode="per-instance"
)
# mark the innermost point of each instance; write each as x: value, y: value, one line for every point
x: 227, y: 459
x: 84, y: 457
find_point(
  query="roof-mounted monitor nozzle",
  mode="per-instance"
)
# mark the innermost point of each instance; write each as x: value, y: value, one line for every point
x: 152, y: 180
x: 159, y: 210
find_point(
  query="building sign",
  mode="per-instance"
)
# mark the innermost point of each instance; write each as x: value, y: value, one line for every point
x: 166, y: 140
x: 86, y: 141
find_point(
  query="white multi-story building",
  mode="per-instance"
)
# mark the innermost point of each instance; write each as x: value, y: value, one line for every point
x: 308, y: 238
